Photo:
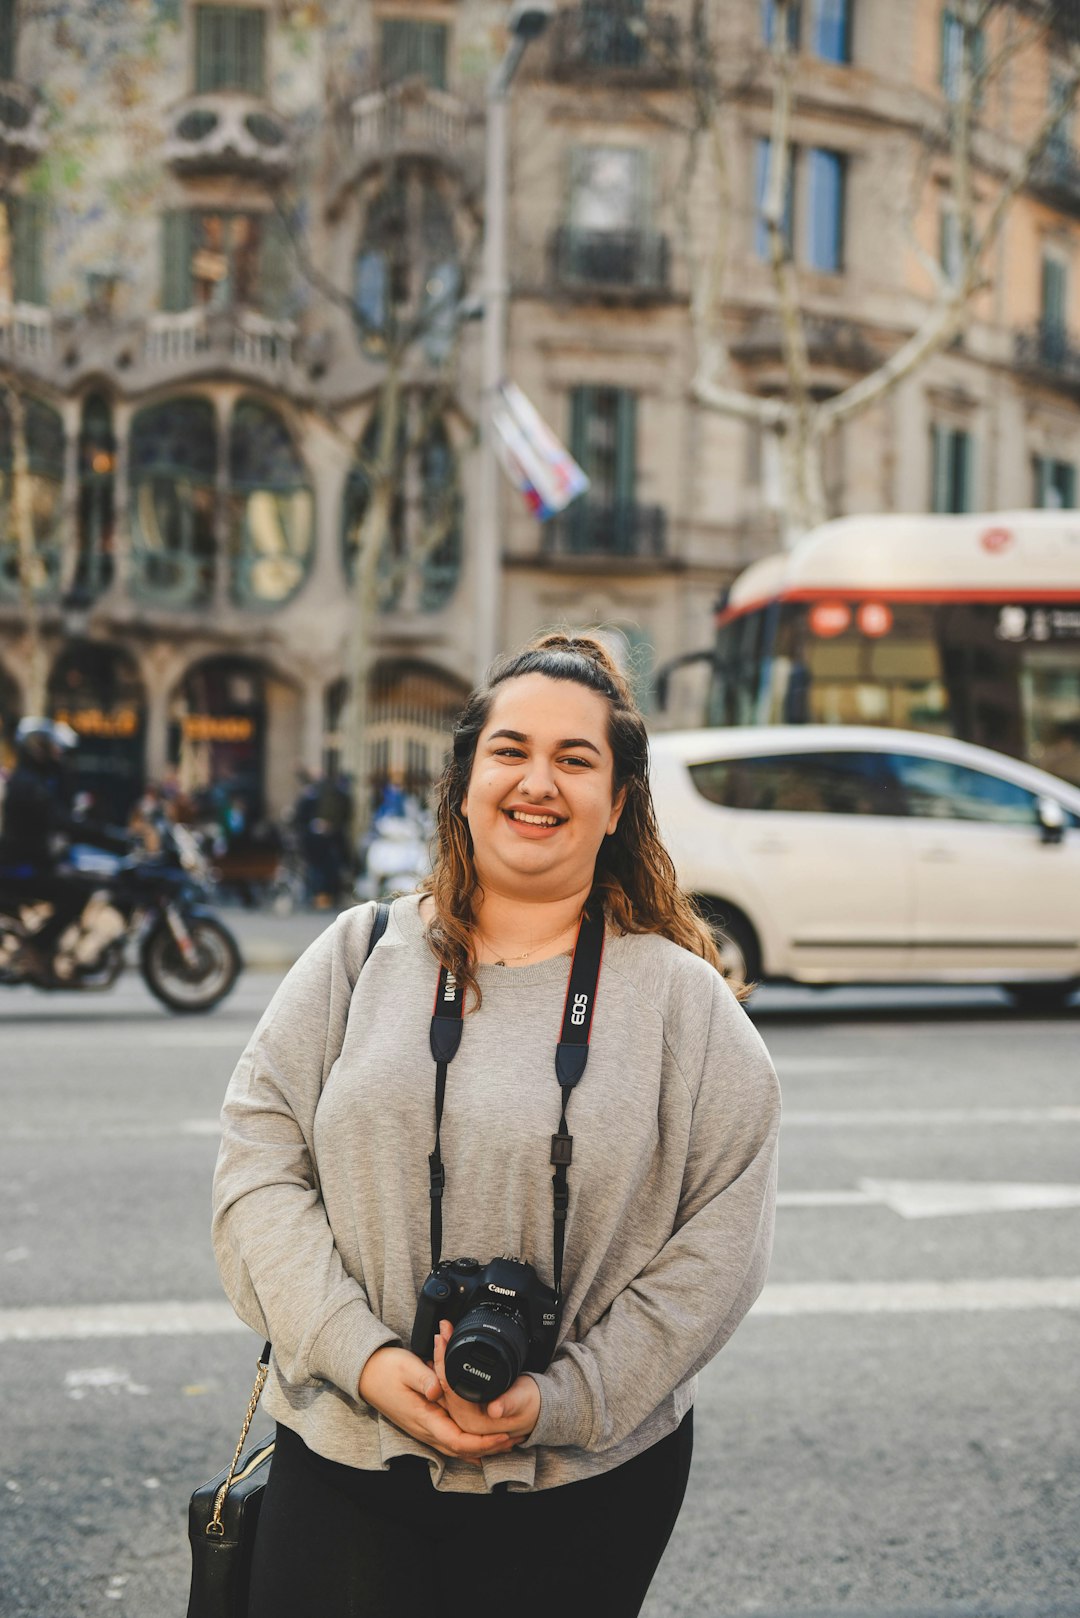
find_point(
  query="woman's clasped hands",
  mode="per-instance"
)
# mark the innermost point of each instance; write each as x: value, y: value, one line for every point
x: 417, y: 1398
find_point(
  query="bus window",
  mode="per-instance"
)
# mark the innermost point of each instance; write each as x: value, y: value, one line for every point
x: 894, y: 679
x: 1050, y: 708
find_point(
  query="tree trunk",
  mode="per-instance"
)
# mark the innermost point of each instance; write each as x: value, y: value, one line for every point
x: 32, y: 567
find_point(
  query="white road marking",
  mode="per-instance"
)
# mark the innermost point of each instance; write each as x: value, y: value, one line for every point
x: 118, y: 1131
x: 830, y: 1064
x: 917, y: 1297
x: 168, y: 1035
x: 921, y: 1116
x: 82, y: 1322
x: 936, y: 1199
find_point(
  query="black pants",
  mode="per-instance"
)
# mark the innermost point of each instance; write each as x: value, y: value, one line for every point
x: 335, y: 1542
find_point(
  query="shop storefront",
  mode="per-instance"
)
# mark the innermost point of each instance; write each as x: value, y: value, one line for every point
x: 218, y: 735
x: 96, y: 690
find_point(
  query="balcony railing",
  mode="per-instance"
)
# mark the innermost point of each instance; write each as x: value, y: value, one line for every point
x: 630, y: 260
x: 240, y: 337
x: 26, y: 333
x: 229, y: 133
x: 412, y: 119
x: 615, y: 40
x: 622, y: 530
x: 1047, y: 348
x: 1057, y: 172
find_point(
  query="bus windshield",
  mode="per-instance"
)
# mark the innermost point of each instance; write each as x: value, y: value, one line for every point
x: 1002, y: 674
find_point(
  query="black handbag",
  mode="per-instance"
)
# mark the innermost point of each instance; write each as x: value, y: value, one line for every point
x: 222, y: 1519
x: 224, y: 1513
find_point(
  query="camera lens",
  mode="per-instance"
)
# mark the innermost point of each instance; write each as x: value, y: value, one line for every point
x: 486, y: 1352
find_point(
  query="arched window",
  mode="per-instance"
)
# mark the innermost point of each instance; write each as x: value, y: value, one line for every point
x: 441, y: 507
x: 357, y: 500
x: 31, y: 563
x: 97, y: 501
x: 270, y: 508
x: 173, y: 472
x: 420, y: 558
x: 408, y: 261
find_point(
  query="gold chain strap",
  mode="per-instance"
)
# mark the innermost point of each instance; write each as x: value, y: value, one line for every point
x: 215, y: 1526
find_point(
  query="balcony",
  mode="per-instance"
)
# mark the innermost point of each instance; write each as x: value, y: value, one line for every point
x: 22, y: 125
x: 605, y: 262
x: 1056, y: 174
x: 1047, y: 351
x: 232, y: 340
x: 229, y: 133
x: 413, y: 120
x: 625, y: 531
x: 26, y: 335
x: 615, y: 43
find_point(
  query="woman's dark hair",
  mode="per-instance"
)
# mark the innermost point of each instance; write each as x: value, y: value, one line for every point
x: 634, y: 872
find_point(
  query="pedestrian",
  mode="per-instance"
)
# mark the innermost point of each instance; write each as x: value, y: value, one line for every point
x: 400, y: 1484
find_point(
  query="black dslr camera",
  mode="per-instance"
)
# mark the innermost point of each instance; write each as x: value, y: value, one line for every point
x: 505, y: 1321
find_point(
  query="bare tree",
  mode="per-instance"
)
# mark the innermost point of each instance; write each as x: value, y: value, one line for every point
x: 982, y: 182
x: 417, y: 348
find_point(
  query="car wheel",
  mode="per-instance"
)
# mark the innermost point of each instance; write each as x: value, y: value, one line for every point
x: 1040, y: 996
x: 736, y: 940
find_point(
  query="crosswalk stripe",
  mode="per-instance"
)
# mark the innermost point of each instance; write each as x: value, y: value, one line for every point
x: 780, y: 1300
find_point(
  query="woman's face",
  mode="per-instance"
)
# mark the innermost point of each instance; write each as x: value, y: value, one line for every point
x: 540, y: 798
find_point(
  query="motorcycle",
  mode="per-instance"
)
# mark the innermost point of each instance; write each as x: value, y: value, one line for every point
x: 188, y: 959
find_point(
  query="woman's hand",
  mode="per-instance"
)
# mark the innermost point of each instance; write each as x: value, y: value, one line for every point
x: 513, y: 1413
x: 410, y: 1395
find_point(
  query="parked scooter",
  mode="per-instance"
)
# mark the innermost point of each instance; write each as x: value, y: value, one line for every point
x: 188, y: 959
x: 397, y: 856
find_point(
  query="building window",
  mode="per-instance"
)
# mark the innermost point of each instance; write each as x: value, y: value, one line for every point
x: 794, y: 22
x: 97, y: 500
x: 230, y: 49
x: 407, y: 266
x: 223, y: 260
x: 950, y: 247
x: 825, y: 210
x: 1055, y: 484
x: 1054, y: 313
x: 8, y: 35
x: 762, y: 151
x: 612, y: 35
x: 952, y: 55
x: 420, y: 555
x: 603, y: 441
x: 96, y: 690
x: 608, y: 188
x: 830, y: 30
x: 44, y: 447
x: 173, y: 473
x: 22, y: 249
x: 408, y: 49
x: 952, y: 470
x: 271, y: 508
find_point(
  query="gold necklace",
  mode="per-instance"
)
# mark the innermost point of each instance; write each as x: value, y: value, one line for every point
x: 504, y: 960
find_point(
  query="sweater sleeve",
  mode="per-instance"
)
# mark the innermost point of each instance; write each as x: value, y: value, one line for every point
x: 275, y: 1250
x: 684, y: 1305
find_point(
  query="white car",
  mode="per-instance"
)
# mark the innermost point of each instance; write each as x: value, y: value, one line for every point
x: 845, y: 854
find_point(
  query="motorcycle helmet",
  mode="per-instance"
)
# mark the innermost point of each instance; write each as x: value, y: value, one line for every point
x: 43, y: 741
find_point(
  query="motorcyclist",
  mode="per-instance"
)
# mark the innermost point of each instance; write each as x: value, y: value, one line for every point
x: 36, y: 829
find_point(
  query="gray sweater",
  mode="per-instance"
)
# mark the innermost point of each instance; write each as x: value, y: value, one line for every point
x: 321, y: 1190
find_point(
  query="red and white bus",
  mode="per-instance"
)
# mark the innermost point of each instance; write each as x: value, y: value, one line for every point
x: 967, y: 626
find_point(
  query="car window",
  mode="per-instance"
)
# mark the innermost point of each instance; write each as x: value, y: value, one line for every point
x: 936, y: 789
x: 839, y: 783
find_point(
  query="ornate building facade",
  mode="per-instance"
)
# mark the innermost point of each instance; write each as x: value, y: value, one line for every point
x: 213, y: 218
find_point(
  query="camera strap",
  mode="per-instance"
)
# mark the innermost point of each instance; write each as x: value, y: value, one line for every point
x: 571, y: 1056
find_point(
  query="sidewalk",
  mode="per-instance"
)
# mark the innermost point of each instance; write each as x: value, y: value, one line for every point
x: 272, y: 943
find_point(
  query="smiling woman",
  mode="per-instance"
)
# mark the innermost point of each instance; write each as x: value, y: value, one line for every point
x: 545, y: 1400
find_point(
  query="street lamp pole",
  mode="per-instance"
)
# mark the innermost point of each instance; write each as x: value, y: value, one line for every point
x: 525, y: 23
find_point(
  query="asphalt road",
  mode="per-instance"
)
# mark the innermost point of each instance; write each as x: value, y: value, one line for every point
x: 891, y: 1432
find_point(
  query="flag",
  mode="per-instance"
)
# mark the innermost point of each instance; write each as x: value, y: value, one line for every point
x: 533, y: 458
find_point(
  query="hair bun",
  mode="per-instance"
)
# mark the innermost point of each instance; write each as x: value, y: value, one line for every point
x: 584, y: 645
